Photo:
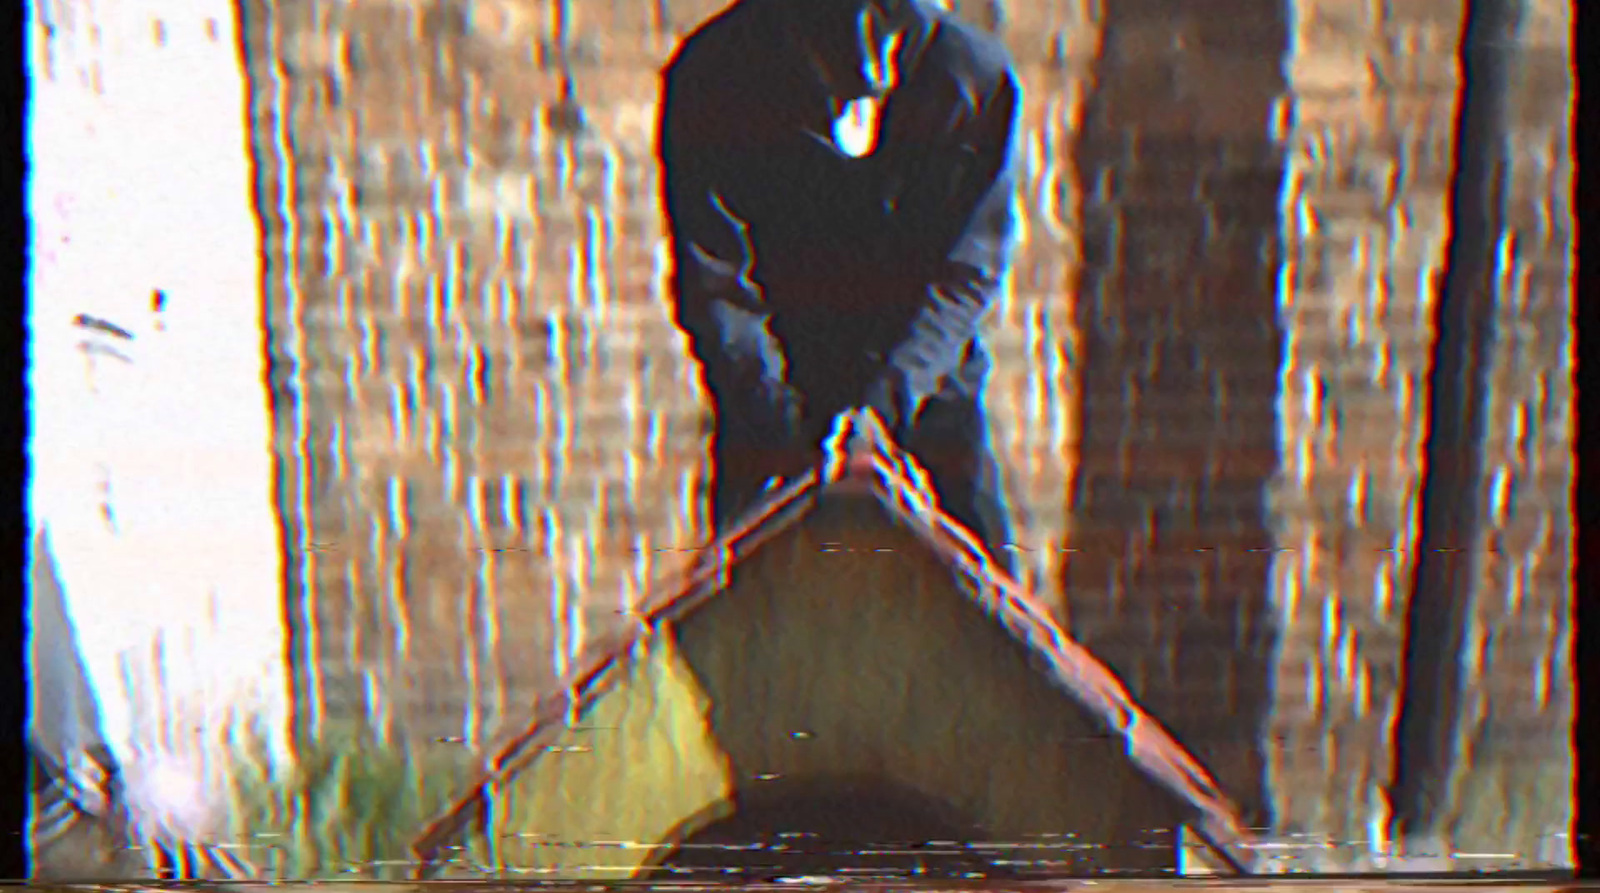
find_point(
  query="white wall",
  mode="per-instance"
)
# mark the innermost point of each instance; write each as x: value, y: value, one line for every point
x: 141, y: 180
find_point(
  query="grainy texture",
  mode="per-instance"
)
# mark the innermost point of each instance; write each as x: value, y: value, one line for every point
x: 1515, y: 785
x: 472, y: 351
x: 1366, y: 228
x: 492, y: 438
x: 1176, y: 306
x: 808, y: 676
x: 891, y: 696
x: 641, y: 761
x: 150, y: 453
x: 1370, y: 136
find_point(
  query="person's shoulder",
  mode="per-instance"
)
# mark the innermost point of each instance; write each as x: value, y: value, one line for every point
x: 974, y: 52
x: 706, y: 51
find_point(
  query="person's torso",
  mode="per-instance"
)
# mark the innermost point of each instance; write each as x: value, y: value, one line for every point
x: 821, y: 219
x: 826, y: 226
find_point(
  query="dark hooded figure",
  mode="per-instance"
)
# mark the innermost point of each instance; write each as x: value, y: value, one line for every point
x: 813, y: 279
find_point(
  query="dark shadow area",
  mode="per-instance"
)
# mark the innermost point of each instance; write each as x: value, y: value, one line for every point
x: 867, y: 828
x: 1449, y: 564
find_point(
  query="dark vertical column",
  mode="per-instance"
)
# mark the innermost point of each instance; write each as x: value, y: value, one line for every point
x: 1586, y: 656
x: 1450, y: 542
x: 1177, y: 307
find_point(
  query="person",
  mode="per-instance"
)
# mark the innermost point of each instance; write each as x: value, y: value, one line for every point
x: 814, y: 274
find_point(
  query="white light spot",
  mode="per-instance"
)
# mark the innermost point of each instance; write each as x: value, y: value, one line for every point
x: 855, y: 131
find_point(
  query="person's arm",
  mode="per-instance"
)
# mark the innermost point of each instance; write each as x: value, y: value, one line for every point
x: 715, y: 301
x: 711, y: 254
x: 958, y: 242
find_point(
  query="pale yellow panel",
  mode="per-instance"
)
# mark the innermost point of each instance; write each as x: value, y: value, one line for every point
x: 624, y: 777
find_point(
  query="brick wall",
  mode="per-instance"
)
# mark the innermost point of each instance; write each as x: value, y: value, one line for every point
x: 1514, y: 793
x: 1370, y: 142
x: 491, y: 437
x: 1370, y: 139
x: 1177, y: 310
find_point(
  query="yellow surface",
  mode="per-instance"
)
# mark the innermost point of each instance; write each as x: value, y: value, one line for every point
x: 605, y: 791
x: 866, y: 671
x: 873, y: 666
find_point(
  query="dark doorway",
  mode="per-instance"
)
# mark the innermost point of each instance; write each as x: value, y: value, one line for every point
x: 856, y: 828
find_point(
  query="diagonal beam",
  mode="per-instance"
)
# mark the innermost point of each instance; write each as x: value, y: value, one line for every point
x: 861, y: 456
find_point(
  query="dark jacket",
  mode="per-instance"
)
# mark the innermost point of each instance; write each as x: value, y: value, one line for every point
x: 853, y: 281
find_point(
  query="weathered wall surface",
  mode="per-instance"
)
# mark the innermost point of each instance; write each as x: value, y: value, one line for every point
x: 1370, y: 136
x: 1176, y: 307
x: 1366, y: 228
x: 491, y: 437
x: 1513, y: 792
x: 491, y: 433
x: 151, y: 451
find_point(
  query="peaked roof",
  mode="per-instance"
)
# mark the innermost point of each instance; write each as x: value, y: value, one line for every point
x: 863, y: 459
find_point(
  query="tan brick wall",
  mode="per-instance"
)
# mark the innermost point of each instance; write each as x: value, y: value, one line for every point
x: 492, y: 438
x: 425, y: 167
x: 1370, y: 137
x: 1177, y: 308
x: 1366, y: 230
x: 1032, y: 333
x: 1515, y: 792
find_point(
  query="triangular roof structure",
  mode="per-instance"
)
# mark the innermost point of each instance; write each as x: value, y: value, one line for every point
x: 864, y: 460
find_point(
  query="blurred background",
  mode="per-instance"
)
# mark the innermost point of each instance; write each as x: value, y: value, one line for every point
x: 401, y: 421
